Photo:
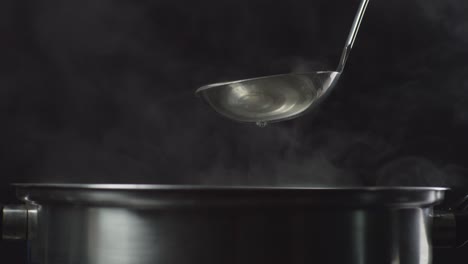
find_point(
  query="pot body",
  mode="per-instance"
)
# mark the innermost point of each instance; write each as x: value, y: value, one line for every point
x: 230, y: 225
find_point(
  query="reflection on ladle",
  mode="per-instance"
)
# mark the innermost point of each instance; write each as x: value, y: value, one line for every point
x: 277, y: 97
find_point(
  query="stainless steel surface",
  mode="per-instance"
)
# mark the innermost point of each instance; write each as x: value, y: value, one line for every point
x: 279, y: 97
x: 153, y: 224
x: 268, y: 99
x: 17, y: 220
x: 352, y: 35
x: 162, y: 196
x: 158, y: 187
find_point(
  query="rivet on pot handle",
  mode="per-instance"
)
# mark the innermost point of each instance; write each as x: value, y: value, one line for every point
x: 17, y: 221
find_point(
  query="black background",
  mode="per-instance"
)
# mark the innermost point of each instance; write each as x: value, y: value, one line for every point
x: 102, y: 91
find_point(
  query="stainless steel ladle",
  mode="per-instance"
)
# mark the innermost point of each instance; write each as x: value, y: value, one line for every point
x: 275, y: 98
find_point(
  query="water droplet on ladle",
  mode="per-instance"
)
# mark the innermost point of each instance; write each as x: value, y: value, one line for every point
x: 261, y: 123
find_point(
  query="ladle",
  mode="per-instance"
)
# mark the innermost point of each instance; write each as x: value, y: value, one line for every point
x: 275, y: 98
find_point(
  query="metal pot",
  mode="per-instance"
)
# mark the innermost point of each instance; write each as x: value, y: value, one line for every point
x: 157, y: 224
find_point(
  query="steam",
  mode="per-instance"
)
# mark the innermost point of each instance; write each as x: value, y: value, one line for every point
x: 449, y: 15
x: 299, y: 65
x: 411, y: 171
x: 102, y: 91
x: 294, y: 163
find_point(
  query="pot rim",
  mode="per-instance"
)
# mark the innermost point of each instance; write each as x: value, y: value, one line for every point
x: 223, y: 197
x: 113, y: 186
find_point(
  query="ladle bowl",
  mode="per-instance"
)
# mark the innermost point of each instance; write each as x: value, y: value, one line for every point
x: 275, y: 98
x: 269, y: 99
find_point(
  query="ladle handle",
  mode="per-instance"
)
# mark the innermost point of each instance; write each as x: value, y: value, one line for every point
x: 352, y: 34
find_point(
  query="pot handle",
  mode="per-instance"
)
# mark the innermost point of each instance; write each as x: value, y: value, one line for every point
x: 450, y: 228
x: 15, y: 221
